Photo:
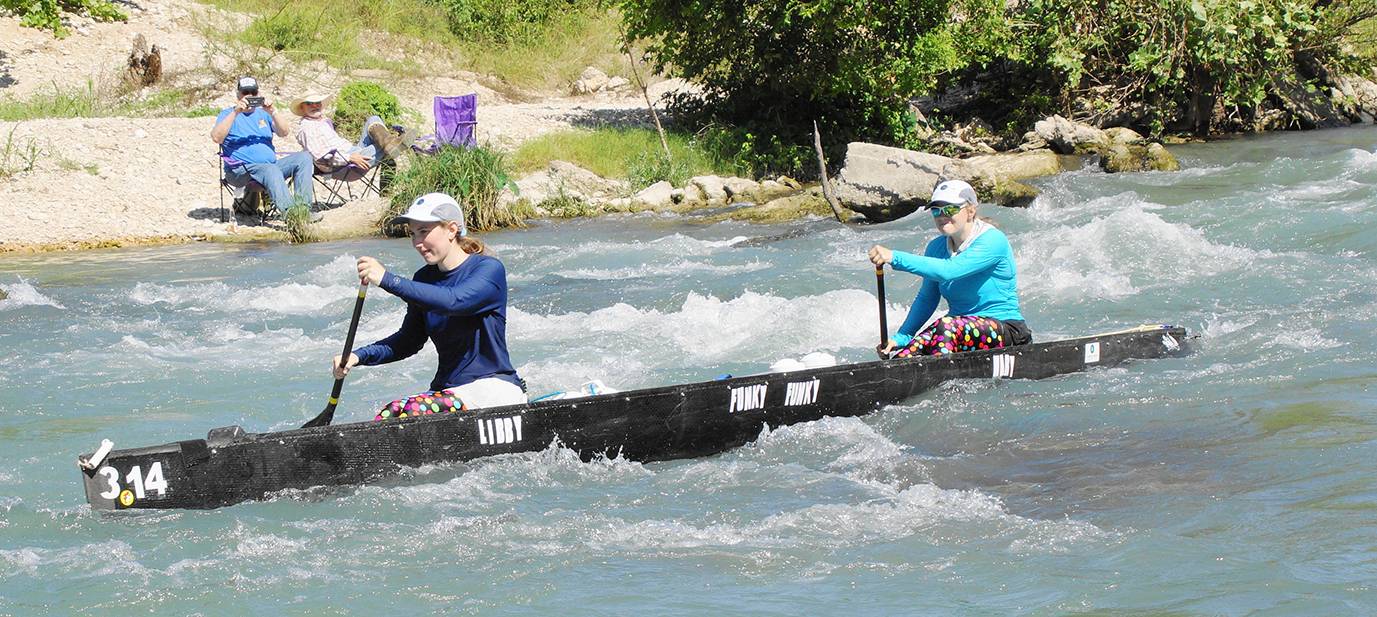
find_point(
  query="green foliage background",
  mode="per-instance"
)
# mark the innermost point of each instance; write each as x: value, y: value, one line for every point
x: 856, y: 66
x: 47, y: 14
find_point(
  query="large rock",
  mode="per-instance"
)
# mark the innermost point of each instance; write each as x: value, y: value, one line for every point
x: 740, y: 189
x: 1017, y: 165
x: 658, y: 195
x: 590, y: 81
x: 1067, y: 137
x: 803, y: 204
x: 567, y: 179
x: 1357, y: 97
x: 1306, y: 108
x: 884, y: 183
x: 1013, y: 194
x: 711, y: 187
x: 1137, y: 157
x: 1122, y: 135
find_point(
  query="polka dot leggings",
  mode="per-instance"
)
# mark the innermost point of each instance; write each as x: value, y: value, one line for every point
x: 952, y: 334
x: 439, y: 401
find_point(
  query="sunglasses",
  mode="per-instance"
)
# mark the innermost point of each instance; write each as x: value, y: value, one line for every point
x: 947, y: 210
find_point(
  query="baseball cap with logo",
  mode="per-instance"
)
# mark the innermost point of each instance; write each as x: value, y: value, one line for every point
x: 248, y: 85
x: 433, y: 208
x: 952, y: 193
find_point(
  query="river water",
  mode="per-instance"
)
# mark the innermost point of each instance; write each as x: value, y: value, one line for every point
x: 1236, y: 480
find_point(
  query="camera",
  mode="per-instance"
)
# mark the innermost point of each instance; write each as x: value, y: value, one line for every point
x: 253, y: 101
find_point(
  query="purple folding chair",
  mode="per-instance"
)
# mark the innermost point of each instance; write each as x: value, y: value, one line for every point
x: 455, y: 119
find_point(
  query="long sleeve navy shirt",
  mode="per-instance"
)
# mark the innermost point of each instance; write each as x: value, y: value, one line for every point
x: 463, y: 311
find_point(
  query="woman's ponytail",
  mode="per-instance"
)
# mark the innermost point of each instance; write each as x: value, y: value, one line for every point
x: 471, y: 245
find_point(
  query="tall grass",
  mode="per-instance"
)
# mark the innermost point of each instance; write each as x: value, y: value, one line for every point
x: 92, y: 101
x: 552, y: 58
x: 18, y: 156
x: 474, y: 176
x: 544, y: 55
x: 633, y: 154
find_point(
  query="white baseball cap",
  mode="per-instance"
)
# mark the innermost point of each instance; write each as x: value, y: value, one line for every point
x: 952, y: 193
x: 433, y: 208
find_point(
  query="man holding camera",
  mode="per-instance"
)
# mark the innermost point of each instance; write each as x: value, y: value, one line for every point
x: 245, y: 134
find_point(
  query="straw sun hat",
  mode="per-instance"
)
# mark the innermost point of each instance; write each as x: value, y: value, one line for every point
x: 313, y: 97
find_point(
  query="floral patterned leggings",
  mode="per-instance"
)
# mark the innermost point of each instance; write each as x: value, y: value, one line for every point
x: 438, y: 401
x: 952, y: 334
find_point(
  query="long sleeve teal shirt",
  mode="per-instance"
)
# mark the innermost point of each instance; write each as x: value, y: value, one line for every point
x: 980, y: 281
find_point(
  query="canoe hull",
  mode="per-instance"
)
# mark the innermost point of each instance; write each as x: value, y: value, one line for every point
x: 673, y: 422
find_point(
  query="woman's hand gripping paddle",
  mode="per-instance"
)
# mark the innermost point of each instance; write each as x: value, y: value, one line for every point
x: 329, y: 413
x: 884, y: 322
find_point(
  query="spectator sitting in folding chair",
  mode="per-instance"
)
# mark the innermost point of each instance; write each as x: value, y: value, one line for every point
x: 245, y: 134
x: 335, y: 155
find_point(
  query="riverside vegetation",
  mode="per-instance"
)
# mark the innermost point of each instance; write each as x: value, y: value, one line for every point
x: 904, y: 73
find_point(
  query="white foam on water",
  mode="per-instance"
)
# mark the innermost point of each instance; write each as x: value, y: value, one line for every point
x: 1103, y: 258
x: 751, y: 327
x: 939, y: 516
x: 22, y: 293
x: 27, y: 559
x: 1364, y: 160
x: 96, y: 559
x: 227, y: 343
x: 653, y: 269
x: 1192, y: 172
x: 301, y: 294
x: 256, y: 545
x: 845, y: 446
x: 287, y: 298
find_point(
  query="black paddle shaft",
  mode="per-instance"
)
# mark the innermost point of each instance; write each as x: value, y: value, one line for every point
x: 880, y: 292
x: 328, y: 414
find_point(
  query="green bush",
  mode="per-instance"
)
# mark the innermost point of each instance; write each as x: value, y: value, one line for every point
x: 360, y: 99
x: 474, y: 176
x: 648, y: 167
x: 47, y: 14
x: 307, y: 33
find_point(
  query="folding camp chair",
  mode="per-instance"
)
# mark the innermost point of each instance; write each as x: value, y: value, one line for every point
x: 338, y: 179
x: 455, y: 119
x: 248, y: 196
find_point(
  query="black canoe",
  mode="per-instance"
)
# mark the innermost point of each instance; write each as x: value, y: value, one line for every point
x: 689, y: 420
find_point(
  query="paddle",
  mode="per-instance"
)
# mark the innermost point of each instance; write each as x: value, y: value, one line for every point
x: 884, y: 322
x: 329, y: 413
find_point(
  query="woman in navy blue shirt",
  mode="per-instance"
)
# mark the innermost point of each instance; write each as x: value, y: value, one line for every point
x: 458, y: 300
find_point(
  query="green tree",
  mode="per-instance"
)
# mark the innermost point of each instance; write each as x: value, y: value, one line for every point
x: 774, y: 67
x: 1173, y: 64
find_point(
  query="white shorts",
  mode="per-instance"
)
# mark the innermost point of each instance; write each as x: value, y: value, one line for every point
x: 488, y: 392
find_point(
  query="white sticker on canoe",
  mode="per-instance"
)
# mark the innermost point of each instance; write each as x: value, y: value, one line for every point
x: 802, y: 392
x: 1092, y: 352
x: 493, y: 431
x: 1002, y: 366
x: 746, y: 398
x: 1170, y: 343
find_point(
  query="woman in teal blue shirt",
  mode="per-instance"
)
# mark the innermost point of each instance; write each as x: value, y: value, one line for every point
x: 971, y: 265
